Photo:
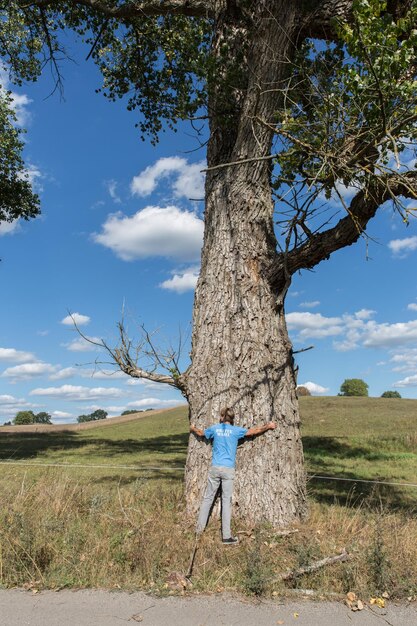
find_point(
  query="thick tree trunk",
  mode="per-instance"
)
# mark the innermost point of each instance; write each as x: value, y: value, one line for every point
x: 241, y: 354
x: 242, y: 358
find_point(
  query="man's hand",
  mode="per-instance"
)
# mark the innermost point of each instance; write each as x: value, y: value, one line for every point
x: 252, y: 432
x: 196, y: 431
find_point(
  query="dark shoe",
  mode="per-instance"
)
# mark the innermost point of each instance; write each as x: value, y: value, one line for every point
x: 231, y: 541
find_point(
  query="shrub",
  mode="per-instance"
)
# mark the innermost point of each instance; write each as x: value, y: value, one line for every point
x: 42, y: 418
x: 99, y: 414
x: 391, y: 394
x: 24, y: 417
x: 353, y: 387
x: 303, y: 391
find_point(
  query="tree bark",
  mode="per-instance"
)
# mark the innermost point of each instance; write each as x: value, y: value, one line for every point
x: 241, y: 353
x: 241, y: 357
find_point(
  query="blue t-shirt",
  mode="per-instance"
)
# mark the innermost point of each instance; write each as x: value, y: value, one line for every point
x: 225, y: 438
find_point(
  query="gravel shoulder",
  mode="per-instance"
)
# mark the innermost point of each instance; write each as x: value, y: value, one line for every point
x: 104, y: 608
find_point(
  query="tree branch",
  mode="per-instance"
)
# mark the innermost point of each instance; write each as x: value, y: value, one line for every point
x: 348, y: 230
x: 338, y: 558
x: 319, y: 22
x: 126, y: 10
x: 122, y: 356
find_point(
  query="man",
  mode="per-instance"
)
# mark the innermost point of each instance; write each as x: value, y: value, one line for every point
x: 225, y: 438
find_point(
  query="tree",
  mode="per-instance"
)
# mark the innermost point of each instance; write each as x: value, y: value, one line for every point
x: 24, y: 417
x: 17, y: 199
x: 291, y: 124
x: 99, y: 414
x: 303, y: 391
x: 353, y: 387
x: 131, y: 411
x: 391, y: 394
x: 42, y: 418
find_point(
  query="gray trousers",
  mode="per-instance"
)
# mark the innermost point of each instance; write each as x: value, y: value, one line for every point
x: 224, y: 476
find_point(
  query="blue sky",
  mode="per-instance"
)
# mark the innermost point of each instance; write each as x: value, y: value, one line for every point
x: 118, y: 230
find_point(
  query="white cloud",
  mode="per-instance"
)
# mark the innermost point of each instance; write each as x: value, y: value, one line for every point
x: 364, y: 314
x: 9, y: 228
x: 309, y: 305
x: 347, y: 192
x: 9, y: 405
x: 314, y: 324
x: 142, y: 382
x: 405, y: 361
x: 104, y: 374
x: 19, y: 101
x: 153, y: 403
x: 71, y: 372
x: 409, y: 381
x: 153, y: 231
x: 61, y: 415
x: 28, y: 370
x: 401, y: 247
x: 77, y: 392
x: 112, y: 410
x: 62, y: 374
x: 82, y: 345
x: 33, y: 174
x: 189, y: 181
x: 97, y: 204
x: 16, y: 356
x: 6, y: 399
x: 80, y: 320
x: 391, y: 335
x: 412, y: 306
x: 111, y: 188
x: 357, y: 329
x: 19, y: 104
x: 183, y: 281
x: 314, y: 387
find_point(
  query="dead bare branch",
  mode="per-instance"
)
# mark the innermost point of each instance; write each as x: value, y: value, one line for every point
x: 301, y: 571
x: 126, y: 356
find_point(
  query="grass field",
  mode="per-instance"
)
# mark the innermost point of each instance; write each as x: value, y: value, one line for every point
x: 109, y: 527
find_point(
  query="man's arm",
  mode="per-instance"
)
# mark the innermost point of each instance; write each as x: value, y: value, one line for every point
x: 252, y: 432
x: 196, y: 431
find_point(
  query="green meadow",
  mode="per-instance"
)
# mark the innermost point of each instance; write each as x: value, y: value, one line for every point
x: 352, y: 438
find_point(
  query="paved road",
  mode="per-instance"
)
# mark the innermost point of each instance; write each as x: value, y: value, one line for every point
x: 102, y: 608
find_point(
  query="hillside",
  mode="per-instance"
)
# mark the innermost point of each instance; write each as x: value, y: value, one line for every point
x: 362, y: 439
x: 332, y: 416
x: 55, y: 428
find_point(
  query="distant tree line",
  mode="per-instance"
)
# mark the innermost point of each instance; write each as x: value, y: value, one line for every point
x: 23, y: 418
x: 99, y: 414
x: 29, y: 417
x: 351, y: 387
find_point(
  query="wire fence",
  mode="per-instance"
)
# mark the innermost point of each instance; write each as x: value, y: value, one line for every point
x: 181, y: 468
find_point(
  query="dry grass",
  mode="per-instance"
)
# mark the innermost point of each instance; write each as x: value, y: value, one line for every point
x: 108, y: 528
x: 58, y: 531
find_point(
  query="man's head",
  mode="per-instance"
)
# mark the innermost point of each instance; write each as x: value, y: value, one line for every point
x: 227, y: 415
